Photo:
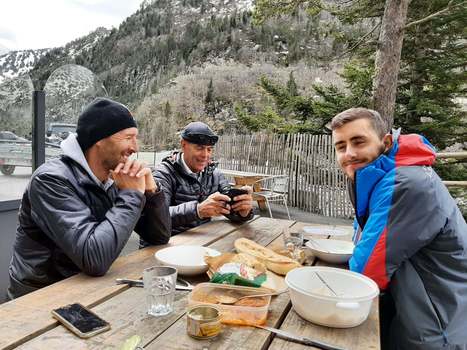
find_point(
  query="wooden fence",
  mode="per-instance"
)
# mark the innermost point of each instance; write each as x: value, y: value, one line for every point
x: 316, y: 183
x: 458, y: 156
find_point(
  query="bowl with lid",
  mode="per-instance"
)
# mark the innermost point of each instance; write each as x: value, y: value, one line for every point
x: 330, y: 296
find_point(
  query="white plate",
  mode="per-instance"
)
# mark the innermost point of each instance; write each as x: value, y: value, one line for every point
x: 325, y: 231
x: 187, y: 259
x: 331, y: 250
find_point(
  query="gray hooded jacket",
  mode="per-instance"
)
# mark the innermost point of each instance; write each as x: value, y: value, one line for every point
x: 70, y: 222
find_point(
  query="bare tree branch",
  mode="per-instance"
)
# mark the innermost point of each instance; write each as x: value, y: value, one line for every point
x: 449, y: 7
x: 362, y: 40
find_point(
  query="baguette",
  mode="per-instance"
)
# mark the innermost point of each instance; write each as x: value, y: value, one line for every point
x: 275, y: 262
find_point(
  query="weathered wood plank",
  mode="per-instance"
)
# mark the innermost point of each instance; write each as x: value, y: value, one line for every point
x: 365, y: 336
x: 127, y: 311
x: 26, y: 317
x: 264, y: 231
x: 127, y: 315
x: 231, y: 337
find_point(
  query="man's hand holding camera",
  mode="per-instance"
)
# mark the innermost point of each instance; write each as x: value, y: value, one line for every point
x: 214, y: 205
x: 243, y: 203
x: 218, y: 204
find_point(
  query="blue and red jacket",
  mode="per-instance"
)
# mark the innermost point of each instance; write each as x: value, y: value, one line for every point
x: 411, y: 238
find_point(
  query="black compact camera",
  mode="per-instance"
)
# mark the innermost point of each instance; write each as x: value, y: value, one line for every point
x: 234, y: 192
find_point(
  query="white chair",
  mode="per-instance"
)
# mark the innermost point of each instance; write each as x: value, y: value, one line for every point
x: 273, y: 189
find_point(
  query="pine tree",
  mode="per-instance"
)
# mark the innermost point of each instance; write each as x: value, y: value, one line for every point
x: 432, y: 68
x: 210, y: 93
x: 292, y: 85
x: 433, y: 75
x: 210, y: 100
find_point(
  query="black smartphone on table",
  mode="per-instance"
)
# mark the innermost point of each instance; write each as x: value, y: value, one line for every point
x: 80, y: 320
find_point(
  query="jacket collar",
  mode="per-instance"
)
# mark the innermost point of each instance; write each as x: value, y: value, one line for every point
x: 175, y: 159
x: 407, y: 150
x: 72, y: 150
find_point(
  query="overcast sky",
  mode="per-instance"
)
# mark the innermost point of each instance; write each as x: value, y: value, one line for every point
x: 35, y: 24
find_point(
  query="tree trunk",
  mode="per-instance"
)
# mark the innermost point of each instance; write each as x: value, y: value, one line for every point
x: 388, y: 58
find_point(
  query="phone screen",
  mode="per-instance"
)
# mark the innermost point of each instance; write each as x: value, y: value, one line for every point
x: 81, y: 318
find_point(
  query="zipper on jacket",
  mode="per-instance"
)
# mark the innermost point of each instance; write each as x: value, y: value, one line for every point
x: 359, y: 219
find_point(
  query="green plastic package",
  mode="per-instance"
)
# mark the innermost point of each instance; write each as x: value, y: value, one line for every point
x: 233, y: 278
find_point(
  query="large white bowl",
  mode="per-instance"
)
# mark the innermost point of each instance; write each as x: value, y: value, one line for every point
x: 331, y: 250
x: 313, y: 300
x: 187, y: 259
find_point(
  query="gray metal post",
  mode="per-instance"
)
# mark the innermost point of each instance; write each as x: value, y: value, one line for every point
x: 38, y: 129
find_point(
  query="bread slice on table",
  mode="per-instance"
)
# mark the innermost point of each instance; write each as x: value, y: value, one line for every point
x: 277, y: 263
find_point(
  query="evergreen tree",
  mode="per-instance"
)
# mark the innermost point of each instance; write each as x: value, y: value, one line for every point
x: 433, y: 75
x: 210, y: 100
x: 432, y: 65
x: 391, y: 13
x: 210, y: 93
x: 292, y: 85
x: 167, y: 111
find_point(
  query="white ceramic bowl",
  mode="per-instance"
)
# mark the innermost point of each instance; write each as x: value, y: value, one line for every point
x: 325, y: 231
x: 331, y: 250
x: 313, y: 300
x: 187, y: 259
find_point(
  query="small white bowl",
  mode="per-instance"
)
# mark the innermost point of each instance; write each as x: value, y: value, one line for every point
x: 187, y: 259
x: 331, y: 250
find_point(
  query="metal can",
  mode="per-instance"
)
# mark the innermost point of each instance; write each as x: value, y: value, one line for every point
x: 203, y: 322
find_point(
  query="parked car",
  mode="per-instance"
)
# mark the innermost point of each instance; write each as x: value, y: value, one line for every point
x: 56, y: 132
x: 10, y: 136
x: 17, y: 151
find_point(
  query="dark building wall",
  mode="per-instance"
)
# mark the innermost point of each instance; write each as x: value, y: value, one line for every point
x: 8, y: 223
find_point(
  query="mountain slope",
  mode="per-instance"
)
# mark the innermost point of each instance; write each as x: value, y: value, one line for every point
x: 16, y: 63
x: 165, y: 38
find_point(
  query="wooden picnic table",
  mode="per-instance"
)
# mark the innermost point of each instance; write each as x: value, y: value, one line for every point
x: 26, y: 322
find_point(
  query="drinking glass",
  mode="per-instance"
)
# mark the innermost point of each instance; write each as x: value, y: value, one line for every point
x: 159, y: 285
x: 293, y: 242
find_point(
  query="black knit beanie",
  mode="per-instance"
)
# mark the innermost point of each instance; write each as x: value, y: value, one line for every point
x: 100, y: 119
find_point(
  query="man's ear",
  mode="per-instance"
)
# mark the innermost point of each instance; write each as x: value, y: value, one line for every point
x: 387, y: 140
x: 99, y: 143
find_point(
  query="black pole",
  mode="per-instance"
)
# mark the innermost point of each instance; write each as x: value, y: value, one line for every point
x: 38, y: 129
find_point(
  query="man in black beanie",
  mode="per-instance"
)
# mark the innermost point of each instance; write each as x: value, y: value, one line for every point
x: 195, y: 189
x: 79, y: 210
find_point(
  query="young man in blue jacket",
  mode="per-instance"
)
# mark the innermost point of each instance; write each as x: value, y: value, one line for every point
x: 410, y: 237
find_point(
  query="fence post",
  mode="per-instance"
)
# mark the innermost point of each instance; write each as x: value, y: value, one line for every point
x: 38, y: 128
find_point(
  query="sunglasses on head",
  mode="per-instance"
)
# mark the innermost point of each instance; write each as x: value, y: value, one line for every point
x: 201, y: 139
